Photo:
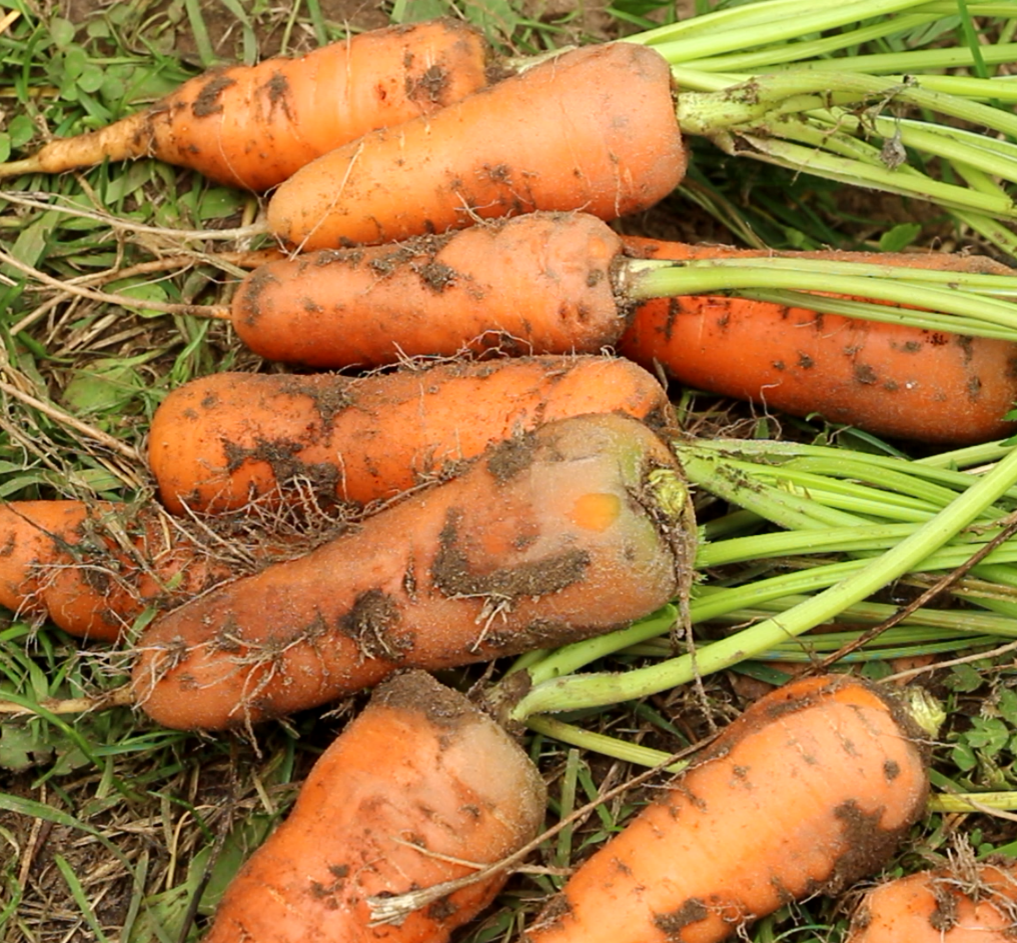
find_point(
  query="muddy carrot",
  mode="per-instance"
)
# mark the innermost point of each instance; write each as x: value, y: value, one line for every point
x: 255, y: 126
x: 554, y: 535
x: 809, y: 790
x: 592, y: 129
x: 221, y: 441
x: 971, y: 904
x: 537, y: 284
x: 92, y: 569
x: 890, y: 379
x: 419, y: 789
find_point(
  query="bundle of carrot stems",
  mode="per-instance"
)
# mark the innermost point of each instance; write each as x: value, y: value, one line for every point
x: 791, y: 536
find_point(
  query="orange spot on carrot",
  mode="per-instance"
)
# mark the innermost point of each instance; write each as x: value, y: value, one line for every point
x: 597, y: 511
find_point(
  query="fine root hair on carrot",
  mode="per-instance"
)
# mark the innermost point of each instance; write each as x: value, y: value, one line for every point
x: 254, y: 126
x: 540, y: 283
x: 222, y: 441
x: 966, y: 902
x: 809, y: 790
x: 593, y: 128
x: 419, y: 789
x: 569, y: 531
x: 94, y: 568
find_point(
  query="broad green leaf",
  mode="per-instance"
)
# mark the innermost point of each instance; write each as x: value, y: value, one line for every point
x: 21, y: 130
x: 91, y: 78
x: 22, y: 746
x: 899, y: 237
x: 61, y: 31
x: 220, y: 202
x: 988, y: 734
x: 105, y: 384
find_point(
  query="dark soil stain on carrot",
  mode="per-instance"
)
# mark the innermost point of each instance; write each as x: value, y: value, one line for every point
x: 207, y: 101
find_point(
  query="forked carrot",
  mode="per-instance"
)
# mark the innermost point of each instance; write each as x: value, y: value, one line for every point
x: 557, y: 535
x: 223, y: 440
x: 255, y: 126
x: 808, y: 791
x: 592, y: 129
x: 419, y: 789
x: 889, y: 379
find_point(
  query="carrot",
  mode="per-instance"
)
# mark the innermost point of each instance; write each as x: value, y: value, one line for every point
x: 949, y: 905
x: 420, y: 788
x: 556, y: 535
x: 593, y: 129
x: 537, y: 284
x: 218, y: 442
x: 809, y: 790
x: 255, y: 126
x: 92, y: 569
x: 892, y: 380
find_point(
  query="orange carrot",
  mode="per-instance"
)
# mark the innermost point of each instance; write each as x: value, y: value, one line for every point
x: 809, y: 790
x: 592, y: 129
x: 92, y: 569
x: 890, y: 379
x: 221, y: 441
x: 537, y: 284
x: 553, y: 536
x: 255, y: 126
x: 421, y: 788
x: 969, y: 905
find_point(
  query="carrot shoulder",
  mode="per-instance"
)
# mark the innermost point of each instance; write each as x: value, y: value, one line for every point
x: 537, y: 284
x: 92, y: 569
x: 255, y: 126
x: 421, y: 788
x: 969, y: 905
x: 221, y: 441
x: 554, y: 536
x: 889, y: 379
x: 593, y: 129
x: 809, y: 790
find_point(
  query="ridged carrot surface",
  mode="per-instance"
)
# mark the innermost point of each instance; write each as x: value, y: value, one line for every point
x: 889, y: 379
x: 223, y: 440
x: 254, y: 126
x: 808, y: 791
x: 592, y: 129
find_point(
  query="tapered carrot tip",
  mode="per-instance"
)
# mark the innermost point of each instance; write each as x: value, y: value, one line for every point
x: 15, y: 168
x: 809, y: 790
x: 420, y: 789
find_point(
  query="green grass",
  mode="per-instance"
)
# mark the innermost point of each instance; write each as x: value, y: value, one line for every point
x: 112, y: 828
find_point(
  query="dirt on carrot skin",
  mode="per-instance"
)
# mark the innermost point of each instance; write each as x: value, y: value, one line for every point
x: 222, y: 441
x: 494, y: 562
